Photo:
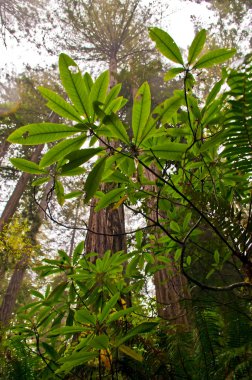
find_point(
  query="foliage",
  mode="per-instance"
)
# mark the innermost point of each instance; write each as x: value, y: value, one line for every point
x: 174, y: 165
x: 14, y: 241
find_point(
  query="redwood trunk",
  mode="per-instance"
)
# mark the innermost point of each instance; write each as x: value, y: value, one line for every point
x: 9, y: 300
x: 170, y: 284
x: 107, y: 222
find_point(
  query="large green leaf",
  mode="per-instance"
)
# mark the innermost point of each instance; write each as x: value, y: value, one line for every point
x: 94, y: 179
x: 111, y: 197
x: 73, y: 172
x: 140, y: 329
x: 59, y: 105
x: 168, y: 151
x: 133, y: 354
x: 34, y: 134
x: 99, y: 90
x: 84, y: 316
x: 166, y: 45
x: 66, y: 330
x: 141, y: 111
x: 214, y: 57
x: 78, y: 252
x: 121, y: 313
x: 100, y: 342
x: 74, y: 84
x: 114, y: 128
x: 26, y: 166
x: 79, y: 157
x: 60, y: 150
x: 163, y: 112
x: 173, y: 72
x: 88, y: 82
x: 196, y: 46
x: 108, y: 307
x: 75, y: 360
x: 113, y: 93
x: 57, y: 292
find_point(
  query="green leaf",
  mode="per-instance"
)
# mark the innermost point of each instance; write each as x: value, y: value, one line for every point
x: 73, y: 194
x: 111, y: 197
x: 74, y: 84
x: 94, y: 179
x: 73, y: 172
x: 50, y: 350
x: 75, y: 360
x: 141, y: 111
x: 57, y: 292
x: 133, y: 354
x: 115, y: 128
x: 66, y: 330
x: 60, y: 150
x: 108, y: 307
x: 84, y: 316
x: 40, y: 181
x: 168, y: 151
x: 140, y: 329
x: 37, y: 294
x: 100, y: 342
x: 59, y: 191
x: 113, y: 93
x: 88, y: 82
x: 173, y: 72
x: 177, y: 254
x: 166, y: 45
x: 214, y: 57
x: 174, y: 226
x: 35, y: 134
x: 216, y: 256
x: 26, y: 166
x: 163, y: 112
x: 79, y: 157
x: 196, y: 46
x: 166, y: 110
x: 119, y: 314
x: 99, y: 90
x: 78, y: 252
x: 59, y: 105
x: 214, y: 92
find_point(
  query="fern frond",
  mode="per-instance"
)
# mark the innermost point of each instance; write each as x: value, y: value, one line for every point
x: 237, y: 137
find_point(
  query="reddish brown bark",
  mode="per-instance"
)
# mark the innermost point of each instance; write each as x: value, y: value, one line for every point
x: 9, y: 300
x: 108, y: 221
x: 170, y: 284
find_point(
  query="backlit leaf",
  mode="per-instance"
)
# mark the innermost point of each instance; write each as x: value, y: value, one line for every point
x: 166, y: 45
x: 60, y: 150
x: 59, y: 105
x: 40, y: 133
x: 111, y: 197
x: 94, y: 178
x: 196, y: 46
x: 26, y: 166
x: 141, y: 111
x: 214, y: 57
x: 74, y: 84
x: 79, y: 157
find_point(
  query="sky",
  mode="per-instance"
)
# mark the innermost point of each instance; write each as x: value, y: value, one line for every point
x: 175, y: 19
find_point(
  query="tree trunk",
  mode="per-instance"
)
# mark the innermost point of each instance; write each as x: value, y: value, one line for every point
x: 10, y: 297
x: 109, y: 221
x: 14, y: 199
x: 170, y: 284
x: 11, y: 294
